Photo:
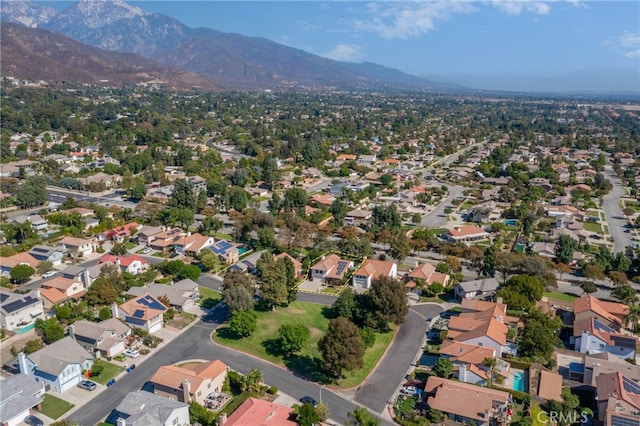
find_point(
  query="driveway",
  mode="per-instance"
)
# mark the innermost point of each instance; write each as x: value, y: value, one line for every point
x: 616, y: 220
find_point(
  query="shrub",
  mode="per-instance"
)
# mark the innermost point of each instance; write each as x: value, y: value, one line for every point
x: 368, y: 337
x: 272, y: 390
x: 100, y: 249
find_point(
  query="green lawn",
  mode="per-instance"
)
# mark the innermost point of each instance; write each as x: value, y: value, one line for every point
x: 538, y: 415
x: 54, y: 407
x: 308, y: 362
x: 560, y: 296
x: 592, y: 227
x: 109, y: 372
x: 207, y: 293
x: 222, y: 236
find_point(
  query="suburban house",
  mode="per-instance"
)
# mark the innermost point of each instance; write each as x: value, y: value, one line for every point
x: 592, y: 366
x: 192, y: 244
x: 8, y: 263
x: 468, y: 361
x: 119, y: 233
x: 37, y: 222
x: 466, y: 234
x: 297, y: 265
x: 254, y: 412
x: 226, y: 251
x: 144, y: 311
x: 481, y: 289
x: 464, y: 402
x: 19, y: 394
x: 358, y: 217
x: 55, y: 255
x: 550, y: 386
x: 372, y: 269
x: 618, y: 399
x: 183, y: 295
x: 19, y: 312
x: 427, y: 273
x: 147, y: 234
x: 611, y: 314
x: 59, y: 289
x: 163, y: 240
x: 142, y: 408
x: 330, y: 268
x: 132, y: 263
x: 59, y: 365
x: 592, y: 336
x: 193, y: 382
x: 107, y: 337
x: 78, y: 246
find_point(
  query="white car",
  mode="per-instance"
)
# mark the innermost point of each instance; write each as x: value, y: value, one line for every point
x: 146, y: 250
x: 409, y: 390
x: 132, y: 353
x: 49, y: 274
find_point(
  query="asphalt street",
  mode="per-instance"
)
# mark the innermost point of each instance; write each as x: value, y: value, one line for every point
x: 616, y: 220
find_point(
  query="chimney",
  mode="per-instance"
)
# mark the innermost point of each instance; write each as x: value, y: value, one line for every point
x: 71, y: 330
x: 186, y: 392
x: 22, y: 364
x: 121, y: 422
x: 462, y: 372
x: 114, y: 310
x: 118, y: 262
x: 86, y: 278
x: 499, y: 300
x: 223, y: 419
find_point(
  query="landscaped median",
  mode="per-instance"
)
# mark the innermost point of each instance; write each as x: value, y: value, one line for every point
x: 308, y: 361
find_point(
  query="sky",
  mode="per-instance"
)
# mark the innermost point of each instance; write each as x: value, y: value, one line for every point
x: 541, y: 39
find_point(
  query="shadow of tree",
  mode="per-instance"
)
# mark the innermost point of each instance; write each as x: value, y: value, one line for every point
x: 308, y: 368
x: 227, y: 333
x: 272, y: 346
x: 327, y: 312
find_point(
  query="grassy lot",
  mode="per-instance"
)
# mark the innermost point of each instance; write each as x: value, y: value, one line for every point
x: 308, y: 362
x: 592, y: 227
x: 109, y: 372
x: 538, y: 415
x: 54, y: 407
x: 467, y: 205
x: 560, y: 296
x: 207, y: 293
x: 130, y: 245
x: 222, y: 236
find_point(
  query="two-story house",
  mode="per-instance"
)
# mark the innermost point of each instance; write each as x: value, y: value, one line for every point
x: 107, y: 337
x: 141, y: 408
x: 78, y: 246
x: 144, y: 312
x: 19, y: 312
x: 58, y: 289
x: 19, y: 395
x: 59, y: 365
x: 119, y: 233
x: 55, y: 255
x: 297, y: 265
x: 193, y: 244
x: 592, y: 336
x: 183, y: 295
x: 8, y: 263
x: 226, y: 251
x: 611, y: 314
x: 191, y: 382
x: 372, y: 269
x: 132, y: 263
x: 330, y: 268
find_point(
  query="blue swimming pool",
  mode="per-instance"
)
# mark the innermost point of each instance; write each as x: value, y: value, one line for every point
x: 242, y: 250
x: 518, y: 381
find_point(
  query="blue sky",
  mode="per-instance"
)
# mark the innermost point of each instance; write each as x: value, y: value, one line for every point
x: 538, y: 38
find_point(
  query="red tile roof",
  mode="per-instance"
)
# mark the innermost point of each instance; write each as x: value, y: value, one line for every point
x: 257, y: 412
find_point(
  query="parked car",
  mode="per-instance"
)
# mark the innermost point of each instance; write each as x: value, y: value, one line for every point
x: 409, y: 390
x: 146, y: 250
x: 49, y: 274
x: 33, y: 421
x: 87, y: 385
x: 132, y: 353
x: 308, y: 400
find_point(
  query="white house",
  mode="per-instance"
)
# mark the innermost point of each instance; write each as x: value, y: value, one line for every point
x: 372, y: 269
x: 80, y: 246
x: 592, y: 336
x: 19, y: 394
x: 132, y: 263
x: 59, y: 365
x: 20, y: 311
x: 108, y: 336
x: 330, y: 268
x: 481, y: 288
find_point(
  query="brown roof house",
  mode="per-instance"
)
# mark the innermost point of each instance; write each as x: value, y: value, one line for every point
x: 144, y: 311
x: 466, y: 234
x: 330, y: 268
x: 258, y: 412
x: 608, y: 313
x: 107, y: 337
x: 618, y: 399
x: 372, y: 269
x: 297, y: 265
x: 550, y: 386
x: 191, y: 382
x: 468, y: 362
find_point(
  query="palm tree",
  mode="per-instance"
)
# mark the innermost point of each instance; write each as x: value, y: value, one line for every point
x: 633, y: 316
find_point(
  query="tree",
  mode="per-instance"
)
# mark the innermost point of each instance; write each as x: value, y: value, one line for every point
x: 368, y: 336
x: 243, y: 323
x: 64, y: 313
x: 290, y: 273
x: 201, y: 415
x: 593, y: 271
x: 339, y: 210
x: 443, y: 367
x: 138, y: 191
x: 399, y: 247
x: 183, y: 195
x: 388, y: 301
x: 295, y: 199
x: 104, y: 313
x: 209, y: 261
x: 273, y: 281
x: 238, y: 298
x: 33, y: 346
x: 119, y: 249
x: 210, y: 224
x: 293, y: 337
x: 275, y: 204
x: 252, y: 382
x: 385, y: 217
x: 43, y: 267
x: 32, y: 193
x: 625, y: 294
x: 565, y: 409
x: 563, y: 268
x: 589, y: 287
x: 540, y: 335
x: 617, y: 277
x: 238, y: 199
x: 21, y: 273
x: 341, y: 348
x: 101, y: 292
x: 565, y: 246
x: 306, y: 415
x: 489, y: 262
x: 53, y: 331
x: 345, y: 305
x: 362, y: 417
x: 270, y: 174
x: 522, y: 291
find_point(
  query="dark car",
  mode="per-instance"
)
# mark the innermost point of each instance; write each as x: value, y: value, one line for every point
x: 33, y: 421
x: 87, y: 385
x: 308, y: 400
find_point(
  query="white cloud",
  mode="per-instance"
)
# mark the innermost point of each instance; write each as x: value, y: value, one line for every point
x: 516, y: 7
x: 630, y: 44
x: 345, y: 52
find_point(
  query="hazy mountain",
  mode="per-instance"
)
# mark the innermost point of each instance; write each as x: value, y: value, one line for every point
x: 231, y: 60
x: 37, y: 54
x: 26, y: 13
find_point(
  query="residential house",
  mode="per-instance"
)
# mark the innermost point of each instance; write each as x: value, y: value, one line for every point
x: 183, y: 295
x: 19, y: 312
x: 147, y: 234
x: 59, y: 289
x: 468, y: 361
x: 483, y: 406
x: 618, y: 400
x: 611, y: 314
x: 193, y: 244
x: 107, y: 337
x: 119, y: 233
x: 297, y: 265
x: 372, y: 269
x: 132, y: 263
x: 165, y: 239
x: 19, y: 395
x: 37, y: 222
x: 330, y: 268
x: 79, y: 246
x: 602, y: 363
x: 141, y: 408
x: 323, y: 199
x: 8, y: 263
x: 427, y: 273
x: 466, y: 234
x: 481, y: 289
x: 564, y: 210
x: 254, y: 412
x: 544, y: 249
x: 550, y: 386
x: 60, y: 365
x: 198, y: 183
x: 109, y: 181
x: 55, y: 255
x: 144, y: 312
x: 358, y: 218
x: 194, y: 382
x: 226, y: 251
x: 592, y: 336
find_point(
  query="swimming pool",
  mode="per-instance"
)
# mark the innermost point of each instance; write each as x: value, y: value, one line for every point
x: 518, y: 381
x: 242, y: 250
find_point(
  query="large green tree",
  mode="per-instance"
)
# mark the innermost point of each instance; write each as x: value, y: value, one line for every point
x: 540, y: 335
x: 565, y: 246
x: 388, y: 301
x: 243, y: 323
x: 293, y: 337
x: 273, y: 281
x: 21, y: 273
x: 32, y: 193
x: 183, y: 195
x: 238, y: 291
x: 362, y: 417
x: 522, y: 291
x: 341, y: 348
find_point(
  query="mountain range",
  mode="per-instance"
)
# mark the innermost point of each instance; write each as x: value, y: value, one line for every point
x: 205, y: 57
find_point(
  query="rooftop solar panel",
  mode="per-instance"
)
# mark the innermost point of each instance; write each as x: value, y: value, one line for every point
x: 341, y: 266
x: 630, y: 385
x: 3, y: 297
x: 139, y: 313
x: 150, y: 302
x: 19, y: 304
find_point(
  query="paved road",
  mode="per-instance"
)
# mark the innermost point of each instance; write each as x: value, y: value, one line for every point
x: 59, y: 195
x: 196, y: 344
x: 437, y: 218
x: 616, y: 220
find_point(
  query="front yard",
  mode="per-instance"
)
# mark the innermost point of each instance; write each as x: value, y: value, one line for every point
x: 592, y: 227
x: 308, y: 362
x: 54, y: 407
x: 560, y: 296
x: 209, y: 298
x: 106, y: 370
